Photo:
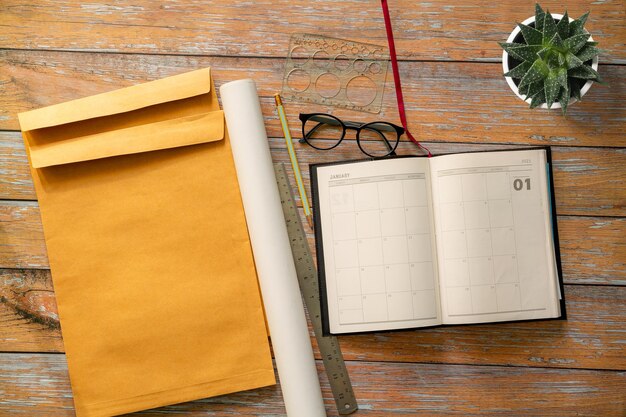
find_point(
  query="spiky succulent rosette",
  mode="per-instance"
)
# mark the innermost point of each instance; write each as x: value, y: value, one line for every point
x: 553, y: 59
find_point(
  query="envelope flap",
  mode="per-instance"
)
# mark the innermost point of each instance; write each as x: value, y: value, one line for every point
x: 119, y: 101
x: 173, y: 133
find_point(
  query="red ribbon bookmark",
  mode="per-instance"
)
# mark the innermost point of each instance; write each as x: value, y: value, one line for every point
x: 396, y: 77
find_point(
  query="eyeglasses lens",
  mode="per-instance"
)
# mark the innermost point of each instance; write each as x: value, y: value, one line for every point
x: 322, y: 131
x: 378, y: 139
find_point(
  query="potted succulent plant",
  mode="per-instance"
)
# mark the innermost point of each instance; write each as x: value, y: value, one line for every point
x: 550, y: 60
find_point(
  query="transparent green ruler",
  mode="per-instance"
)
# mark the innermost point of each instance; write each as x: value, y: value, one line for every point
x: 307, y: 278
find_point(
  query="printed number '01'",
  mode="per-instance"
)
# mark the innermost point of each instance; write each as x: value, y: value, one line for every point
x: 518, y: 184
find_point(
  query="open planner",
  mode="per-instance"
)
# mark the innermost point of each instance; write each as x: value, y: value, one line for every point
x: 453, y: 239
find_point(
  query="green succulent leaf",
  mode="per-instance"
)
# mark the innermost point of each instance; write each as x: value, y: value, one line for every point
x: 587, y: 52
x: 575, y: 91
x: 522, y: 52
x: 564, y: 98
x: 536, y: 72
x: 506, y: 45
x: 576, y: 42
x: 556, y: 41
x: 539, y: 16
x: 563, y: 26
x: 577, y: 27
x: 531, y: 35
x: 519, y: 71
x: 538, y: 10
x: 552, y: 87
x: 561, y: 77
x: 572, y: 61
x: 549, y: 27
x: 553, y: 60
x: 523, y: 90
x: 584, y: 72
x: 510, y: 48
x: 530, y: 89
x: 538, y: 99
x: 534, y: 88
x: 562, y: 62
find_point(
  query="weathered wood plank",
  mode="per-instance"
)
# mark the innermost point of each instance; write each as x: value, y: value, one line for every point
x: 592, y: 248
x: 37, y: 385
x: 592, y: 337
x: 601, y: 258
x: 450, y: 102
x: 22, y: 244
x: 28, y: 312
x: 584, y: 177
x: 588, y: 181
x: 15, y: 180
x: 423, y: 30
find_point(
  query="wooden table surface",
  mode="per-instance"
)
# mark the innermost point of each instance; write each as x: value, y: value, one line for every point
x: 56, y: 50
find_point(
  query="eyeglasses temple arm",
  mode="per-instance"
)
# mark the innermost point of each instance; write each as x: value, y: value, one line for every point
x: 391, y: 151
x: 310, y: 132
x: 325, y: 120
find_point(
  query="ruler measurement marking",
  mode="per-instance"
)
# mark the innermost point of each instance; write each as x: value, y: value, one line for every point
x: 334, y: 364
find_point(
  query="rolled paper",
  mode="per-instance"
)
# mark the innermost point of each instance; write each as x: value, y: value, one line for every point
x: 272, y: 253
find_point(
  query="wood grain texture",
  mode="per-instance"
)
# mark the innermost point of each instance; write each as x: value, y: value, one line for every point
x: 588, y: 181
x: 423, y: 30
x: 593, y: 250
x: 21, y: 244
x: 15, y: 180
x: 457, y: 100
x: 38, y: 386
x: 28, y: 312
x: 592, y: 337
x: 446, y: 102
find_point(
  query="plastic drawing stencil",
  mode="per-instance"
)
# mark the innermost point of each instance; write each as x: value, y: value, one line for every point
x: 335, y: 72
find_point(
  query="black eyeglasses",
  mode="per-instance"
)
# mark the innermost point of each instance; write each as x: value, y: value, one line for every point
x: 324, y: 131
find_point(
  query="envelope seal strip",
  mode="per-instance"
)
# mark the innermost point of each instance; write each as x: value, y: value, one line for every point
x: 335, y: 72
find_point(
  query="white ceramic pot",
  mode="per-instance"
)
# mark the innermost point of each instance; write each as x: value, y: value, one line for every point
x: 509, y: 80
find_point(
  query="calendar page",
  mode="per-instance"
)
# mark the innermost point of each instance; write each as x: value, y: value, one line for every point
x: 379, y: 267
x: 494, y: 237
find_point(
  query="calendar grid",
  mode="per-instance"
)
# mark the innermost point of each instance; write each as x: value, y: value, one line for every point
x: 383, y: 255
x: 477, y: 212
x: 408, y: 249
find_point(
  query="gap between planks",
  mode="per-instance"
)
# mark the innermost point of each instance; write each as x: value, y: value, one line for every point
x: 617, y: 63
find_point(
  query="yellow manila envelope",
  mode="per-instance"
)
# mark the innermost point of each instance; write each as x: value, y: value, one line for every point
x: 148, y: 246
